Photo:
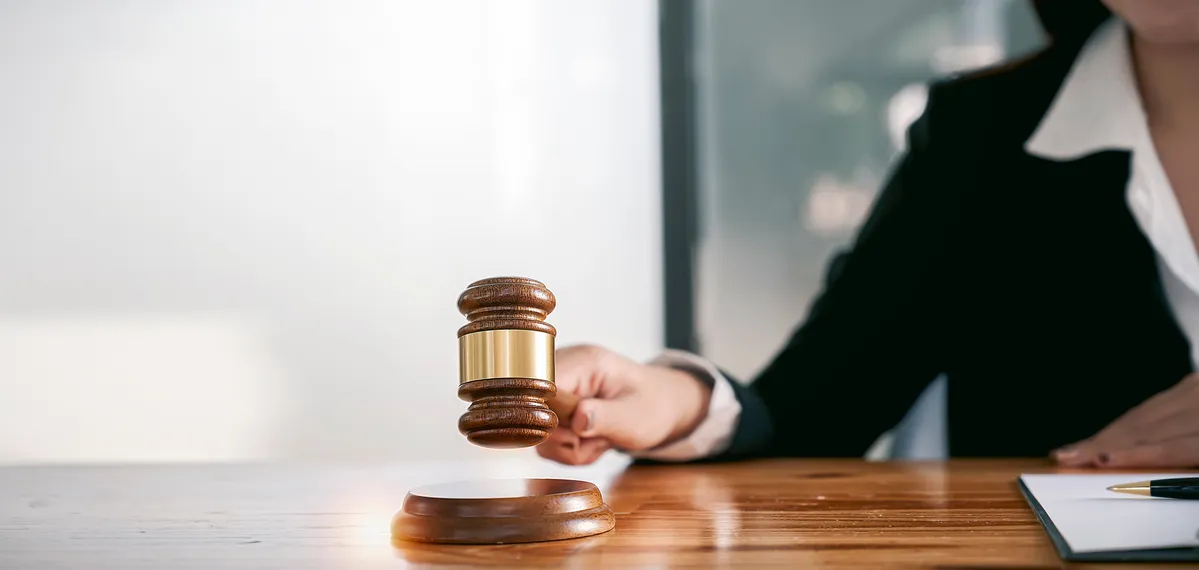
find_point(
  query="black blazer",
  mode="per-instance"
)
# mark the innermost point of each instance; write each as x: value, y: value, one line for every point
x: 1025, y: 281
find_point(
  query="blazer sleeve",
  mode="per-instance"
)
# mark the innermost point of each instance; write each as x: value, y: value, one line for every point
x: 873, y: 337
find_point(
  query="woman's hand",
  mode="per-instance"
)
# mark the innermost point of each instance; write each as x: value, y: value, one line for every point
x: 622, y: 405
x: 1161, y: 432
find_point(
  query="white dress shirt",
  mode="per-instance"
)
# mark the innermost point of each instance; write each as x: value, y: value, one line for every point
x: 1098, y: 108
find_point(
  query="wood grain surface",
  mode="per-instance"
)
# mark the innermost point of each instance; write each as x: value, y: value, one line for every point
x: 787, y: 514
x: 507, y: 413
x: 503, y: 511
x: 506, y: 303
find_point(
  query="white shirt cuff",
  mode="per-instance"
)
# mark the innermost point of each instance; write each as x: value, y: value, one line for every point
x: 715, y: 431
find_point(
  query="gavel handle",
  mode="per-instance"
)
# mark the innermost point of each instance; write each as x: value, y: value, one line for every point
x: 563, y: 405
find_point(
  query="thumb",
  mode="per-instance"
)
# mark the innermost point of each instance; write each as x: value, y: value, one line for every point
x: 613, y: 419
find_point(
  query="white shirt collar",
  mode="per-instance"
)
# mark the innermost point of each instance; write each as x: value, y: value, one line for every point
x: 1098, y: 106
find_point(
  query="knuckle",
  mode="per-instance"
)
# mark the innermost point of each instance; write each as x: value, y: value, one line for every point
x: 586, y: 352
x: 591, y: 350
x: 598, y: 356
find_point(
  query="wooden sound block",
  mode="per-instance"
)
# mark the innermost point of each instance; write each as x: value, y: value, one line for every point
x: 502, y: 511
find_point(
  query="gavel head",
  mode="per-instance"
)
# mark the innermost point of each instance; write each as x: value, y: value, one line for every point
x: 506, y: 362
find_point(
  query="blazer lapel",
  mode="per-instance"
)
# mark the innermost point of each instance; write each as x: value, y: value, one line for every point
x: 1101, y: 250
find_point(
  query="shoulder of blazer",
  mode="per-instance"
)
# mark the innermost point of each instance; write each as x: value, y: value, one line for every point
x: 997, y: 108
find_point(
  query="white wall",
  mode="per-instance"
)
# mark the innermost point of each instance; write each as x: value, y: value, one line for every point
x: 237, y: 229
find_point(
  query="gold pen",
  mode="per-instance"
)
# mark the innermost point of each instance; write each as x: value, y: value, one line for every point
x: 1180, y: 488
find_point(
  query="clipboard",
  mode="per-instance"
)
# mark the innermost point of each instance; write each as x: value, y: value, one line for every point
x: 1125, y: 553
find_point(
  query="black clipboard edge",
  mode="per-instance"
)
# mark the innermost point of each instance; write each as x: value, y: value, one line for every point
x: 1066, y: 553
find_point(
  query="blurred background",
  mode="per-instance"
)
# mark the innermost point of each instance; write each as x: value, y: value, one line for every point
x: 236, y: 229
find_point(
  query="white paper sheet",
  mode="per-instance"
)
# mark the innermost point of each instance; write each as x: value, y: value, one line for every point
x: 1092, y: 519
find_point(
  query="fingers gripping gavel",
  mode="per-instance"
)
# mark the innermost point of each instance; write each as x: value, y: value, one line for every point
x: 506, y: 364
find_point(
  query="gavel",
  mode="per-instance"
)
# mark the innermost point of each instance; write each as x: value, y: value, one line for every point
x: 506, y: 364
x: 506, y: 372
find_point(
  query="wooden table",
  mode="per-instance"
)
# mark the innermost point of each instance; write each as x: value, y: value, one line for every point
x: 794, y: 514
